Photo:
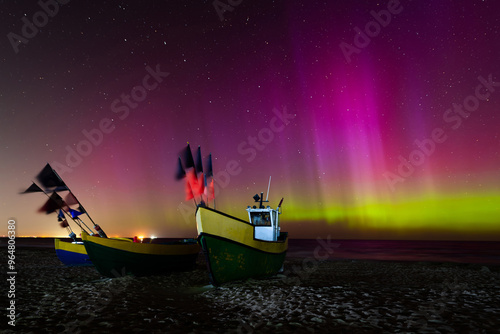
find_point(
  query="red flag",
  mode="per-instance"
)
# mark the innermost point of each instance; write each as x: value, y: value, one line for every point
x: 201, y: 184
x: 198, y: 165
x: 192, y: 181
x: 53, y: 203
x: 70, y: 199
x: 189, y: 192
x: 211, y: 190
x: 64, y: 223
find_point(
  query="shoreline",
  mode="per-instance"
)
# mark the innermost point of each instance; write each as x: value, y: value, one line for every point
x: 479, y: 252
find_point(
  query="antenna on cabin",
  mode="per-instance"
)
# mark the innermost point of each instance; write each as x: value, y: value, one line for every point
x: 268, y: 186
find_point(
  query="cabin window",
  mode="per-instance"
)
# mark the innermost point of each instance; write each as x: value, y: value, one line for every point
x: 261, y: 218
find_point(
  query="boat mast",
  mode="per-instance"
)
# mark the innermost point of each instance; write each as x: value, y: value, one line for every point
x: 268, y: 186
x: 97, y: 228
x: 67, y: 213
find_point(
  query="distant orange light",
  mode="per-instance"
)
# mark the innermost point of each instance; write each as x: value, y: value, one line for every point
x: 141, y: 237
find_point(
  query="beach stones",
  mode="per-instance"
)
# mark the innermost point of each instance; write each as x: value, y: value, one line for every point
x: 349, y: 296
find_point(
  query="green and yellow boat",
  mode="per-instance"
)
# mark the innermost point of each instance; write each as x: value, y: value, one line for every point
x: 236, y: 249
x: 119, y: 257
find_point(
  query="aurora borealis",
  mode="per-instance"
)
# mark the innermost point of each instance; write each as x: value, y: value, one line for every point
x: 375, y: 120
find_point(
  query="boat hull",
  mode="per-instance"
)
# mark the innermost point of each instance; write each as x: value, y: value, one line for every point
x: 230, y: 261
x: 71, y: 254
x: 231, y: 251
x: 115, y: 258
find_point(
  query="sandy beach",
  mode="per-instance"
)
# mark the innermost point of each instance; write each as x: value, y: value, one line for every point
x: 311, y: 296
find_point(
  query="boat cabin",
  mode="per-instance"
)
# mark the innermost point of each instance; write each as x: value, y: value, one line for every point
x: 265, y: 221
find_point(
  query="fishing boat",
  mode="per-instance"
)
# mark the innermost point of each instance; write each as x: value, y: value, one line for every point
x: 72, y: 253
x: 113, y: 257
x: 234, y: 248
x: 237, y: 249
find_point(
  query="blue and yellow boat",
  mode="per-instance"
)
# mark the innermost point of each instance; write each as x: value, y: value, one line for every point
x: 119, y: 257
x: 72, y: 253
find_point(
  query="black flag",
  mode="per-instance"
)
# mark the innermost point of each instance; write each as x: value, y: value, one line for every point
x: 209, y: 169
x: 188, y: 157
x: 180, y: 173
x: 48, y: 178
x: 198, y: 164
x: 34, y: 188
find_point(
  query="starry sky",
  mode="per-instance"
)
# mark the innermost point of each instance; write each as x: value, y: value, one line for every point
x: 375, y: 120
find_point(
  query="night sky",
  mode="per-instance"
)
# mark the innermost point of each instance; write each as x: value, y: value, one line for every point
x: 375, y: 120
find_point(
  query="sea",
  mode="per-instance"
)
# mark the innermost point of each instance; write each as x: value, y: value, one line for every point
x: 480, y: 252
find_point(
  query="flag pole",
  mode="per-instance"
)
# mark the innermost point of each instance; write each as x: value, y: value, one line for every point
x: 98, y: 229
x: 268, y: 187
x: 198, y: 167
x: 62, y: 209
x: 80, y: 204
x: 191, y: 166
x: 81, y: 221
x: 209, y: 174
